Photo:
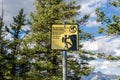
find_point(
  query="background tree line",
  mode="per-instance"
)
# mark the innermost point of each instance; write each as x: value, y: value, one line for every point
x: 27, y: 55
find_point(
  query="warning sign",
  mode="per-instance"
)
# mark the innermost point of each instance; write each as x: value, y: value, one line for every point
x: 64, y: 37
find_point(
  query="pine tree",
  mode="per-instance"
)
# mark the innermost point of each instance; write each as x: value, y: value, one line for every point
x: 4, y: 74
x: 46, y: 64
x: 16, y: 59
x: 1, y: 48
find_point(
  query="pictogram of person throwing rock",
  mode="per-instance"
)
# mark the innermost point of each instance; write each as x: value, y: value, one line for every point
x: 67, y: 42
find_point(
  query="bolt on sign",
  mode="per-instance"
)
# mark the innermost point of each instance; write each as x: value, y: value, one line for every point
x: 64, y: 37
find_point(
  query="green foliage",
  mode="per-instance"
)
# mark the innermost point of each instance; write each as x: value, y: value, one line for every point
x: 115, y: 3
x: 17, y: 63
x: 4, y: 73
x: 47, y: 63
x: 112, y: 25
x: 84, y: 36
x: 118, y: 77
x: 116, y: 18
x: 100, y: 15
x: 83, y: 19
x: 100, y: 30
x: 107, y: 57
x: 110, y: 57
x: 30, y: 57
x: 79, y: 66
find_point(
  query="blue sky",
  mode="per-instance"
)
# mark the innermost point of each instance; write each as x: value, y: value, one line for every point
x: 103, y: 43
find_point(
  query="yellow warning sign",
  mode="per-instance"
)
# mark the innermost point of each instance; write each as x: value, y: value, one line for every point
x: 64, y: 37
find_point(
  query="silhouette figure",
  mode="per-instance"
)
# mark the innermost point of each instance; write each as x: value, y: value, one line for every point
x: 72, y: 43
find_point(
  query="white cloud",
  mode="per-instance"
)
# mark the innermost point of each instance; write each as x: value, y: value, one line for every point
x: 108, y: 45
x: 12, y: 7
x: 88, y: 7
x: 117, y: 51
x: 106, y: 67
x: 8, y: 37
x: 91, y: 23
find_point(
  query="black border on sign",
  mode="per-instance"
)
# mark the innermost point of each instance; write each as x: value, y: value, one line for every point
x: 65, y: 49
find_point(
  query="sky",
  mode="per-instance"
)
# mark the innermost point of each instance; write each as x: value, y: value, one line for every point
x: 12, y: 7
x: 102, y: 43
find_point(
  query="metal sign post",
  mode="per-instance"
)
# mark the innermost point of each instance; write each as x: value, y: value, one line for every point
x: 64, y: 65
x: 64, y: 58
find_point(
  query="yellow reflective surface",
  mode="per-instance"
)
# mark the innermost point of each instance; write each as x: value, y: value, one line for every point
x: 64, y: 37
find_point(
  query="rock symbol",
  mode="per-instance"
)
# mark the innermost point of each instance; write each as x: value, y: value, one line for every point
x: 72, y: 29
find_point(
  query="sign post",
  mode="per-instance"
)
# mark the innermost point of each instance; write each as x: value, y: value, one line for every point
x: 64, y: 57
x: 64, y: 37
